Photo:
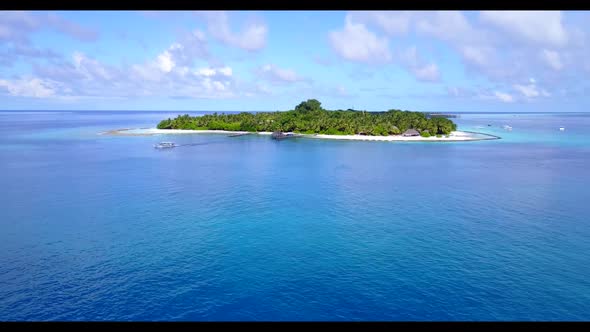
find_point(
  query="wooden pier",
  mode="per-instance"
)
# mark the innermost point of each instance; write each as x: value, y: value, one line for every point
x: 238, y: 134
x: 279, y: 135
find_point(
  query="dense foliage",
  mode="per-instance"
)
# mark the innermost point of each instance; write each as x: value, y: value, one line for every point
x: 310, y: 118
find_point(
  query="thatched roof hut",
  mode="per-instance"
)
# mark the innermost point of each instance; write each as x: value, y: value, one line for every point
x: 411, y: 132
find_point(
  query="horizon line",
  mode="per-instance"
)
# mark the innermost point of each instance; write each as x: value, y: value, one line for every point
x: 234, y: 111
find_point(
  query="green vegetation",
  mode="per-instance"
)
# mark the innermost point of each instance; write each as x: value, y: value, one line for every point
x: 310, y: 118
x: 425, y: 133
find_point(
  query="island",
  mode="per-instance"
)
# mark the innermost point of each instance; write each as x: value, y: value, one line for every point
x: 310, y: 118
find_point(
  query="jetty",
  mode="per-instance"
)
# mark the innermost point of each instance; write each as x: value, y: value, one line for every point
x: 441, y: 115
x: 279, y: 135
x: 238, y: 134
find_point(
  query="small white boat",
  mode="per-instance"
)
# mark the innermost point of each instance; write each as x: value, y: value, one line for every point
x: 562, y: 128
x: 507, y: 127
x: 165, y: 145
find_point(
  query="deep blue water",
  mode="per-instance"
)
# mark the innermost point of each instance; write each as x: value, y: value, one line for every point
x: 98, y: 227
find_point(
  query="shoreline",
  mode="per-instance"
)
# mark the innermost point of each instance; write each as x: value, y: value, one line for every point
x: 455, y: 136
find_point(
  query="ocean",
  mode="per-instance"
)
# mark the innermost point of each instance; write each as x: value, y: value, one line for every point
x: 98, y: 227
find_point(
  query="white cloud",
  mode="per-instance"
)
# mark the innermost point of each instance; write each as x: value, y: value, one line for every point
x: 503, y: 46
x: 479, y: 56
x: 542, y: 27
x: 275, y: 74
x: 191, y: 47
x: 252, y: 37
x: 78, y: 58
x: 527, y: 90
x: 531, y: 90
x: 256, y: 89
x: 91, y: 69
x: 505, y: 97
x: 475, y: 45
x: 206, y: 72
x: 165, y: 62
x: 183, y: 71
x: 28, y: 87
x: 227, y: 71
x: 391, y: 22
x: 204, y: 82
x: 17, y: 26
x: 169, y: 74
x: 450, y: 26
x: 356, y: 43
x: 148, y: 72
x: 552, y: 59
x: 176, y: 59
x: 421, y: 70
x: 427, y: 73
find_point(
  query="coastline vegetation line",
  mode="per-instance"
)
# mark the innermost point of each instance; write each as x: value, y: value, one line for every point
x: 310, y: 118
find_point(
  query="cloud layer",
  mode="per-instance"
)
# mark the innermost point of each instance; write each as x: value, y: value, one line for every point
x: 252, y: 36
x: 503, y: 47
x: 510, y: 57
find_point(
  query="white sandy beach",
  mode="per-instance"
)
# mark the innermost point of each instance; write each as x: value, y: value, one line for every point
x: 454, y: 136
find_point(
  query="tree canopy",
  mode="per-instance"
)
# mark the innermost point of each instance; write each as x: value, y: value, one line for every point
x: 310, y: 118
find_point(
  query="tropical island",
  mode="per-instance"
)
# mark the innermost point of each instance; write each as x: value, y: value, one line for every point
x: 310, y: 118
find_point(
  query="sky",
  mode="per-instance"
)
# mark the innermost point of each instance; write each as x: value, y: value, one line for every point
x: 431, y: 61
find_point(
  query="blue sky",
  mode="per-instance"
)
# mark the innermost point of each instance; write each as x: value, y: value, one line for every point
x: 272, y: 60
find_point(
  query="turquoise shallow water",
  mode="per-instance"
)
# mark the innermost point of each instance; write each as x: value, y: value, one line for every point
x: 108, y: 228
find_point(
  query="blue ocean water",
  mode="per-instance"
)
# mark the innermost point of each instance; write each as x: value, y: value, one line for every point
x: 98, y: 227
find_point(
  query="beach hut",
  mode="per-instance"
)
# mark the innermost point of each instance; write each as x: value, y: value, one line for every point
x: 411, y: 132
